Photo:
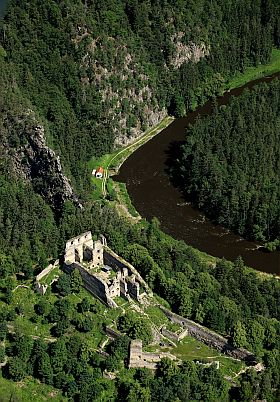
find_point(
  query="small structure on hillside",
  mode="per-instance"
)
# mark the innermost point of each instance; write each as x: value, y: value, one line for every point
x: 47, y: 277
x: 175, y: 336
x: 99, y: 172
x: 105, y: 274
x: 138, y: 358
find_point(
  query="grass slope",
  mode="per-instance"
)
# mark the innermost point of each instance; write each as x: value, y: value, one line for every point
x: 253, y: 73
x: 28, y: 390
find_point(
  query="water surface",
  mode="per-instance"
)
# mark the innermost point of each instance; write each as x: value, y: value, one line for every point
x: 145, y: 173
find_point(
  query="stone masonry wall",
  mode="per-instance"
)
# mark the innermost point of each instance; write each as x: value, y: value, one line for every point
x: 95, y: 285
x: 112, y: 259
x: 46, y: 271
x: 210, y: 338
x: 173, y: 336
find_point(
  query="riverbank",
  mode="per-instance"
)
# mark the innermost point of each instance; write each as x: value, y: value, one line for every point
x: 153, y: 195
x: 253, y: 73
x: 121, y: 197
x: 111, y: 163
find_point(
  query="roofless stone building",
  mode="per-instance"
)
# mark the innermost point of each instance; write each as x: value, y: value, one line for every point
x: 105, y: 274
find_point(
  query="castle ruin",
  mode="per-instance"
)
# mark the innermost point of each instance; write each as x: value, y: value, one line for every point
x: 105, y: 274
x: 138, y: 358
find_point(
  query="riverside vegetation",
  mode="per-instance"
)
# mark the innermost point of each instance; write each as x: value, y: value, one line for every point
x: 59, y: 60
x: 229, y: 164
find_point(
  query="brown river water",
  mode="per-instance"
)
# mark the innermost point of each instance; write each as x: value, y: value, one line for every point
x: 145, y: 173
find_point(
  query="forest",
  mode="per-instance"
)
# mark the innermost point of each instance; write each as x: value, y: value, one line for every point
x: 46, y: 43
x: 231, y: 299
x: 82, y: 67
x: 229, y: 165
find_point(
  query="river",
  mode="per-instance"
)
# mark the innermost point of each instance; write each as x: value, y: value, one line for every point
x: 153, y: 194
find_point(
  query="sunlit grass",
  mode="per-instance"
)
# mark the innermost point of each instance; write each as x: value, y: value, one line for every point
x: 253, y: 73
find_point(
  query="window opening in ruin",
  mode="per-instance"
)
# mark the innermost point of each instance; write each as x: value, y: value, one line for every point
x: 77, y: 256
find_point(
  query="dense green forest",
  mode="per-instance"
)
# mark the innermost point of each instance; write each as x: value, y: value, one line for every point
x: 43, y: 48
x: 71, y: 61
x: 91, y: 72
x: 230, y: 164
x: 228, y: 298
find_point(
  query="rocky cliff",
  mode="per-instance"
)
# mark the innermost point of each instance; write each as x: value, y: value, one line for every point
x: 33, y: 160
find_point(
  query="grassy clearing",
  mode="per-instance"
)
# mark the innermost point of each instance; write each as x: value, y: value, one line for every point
x: 253, y: 73
x: 157, y: 316
x: 26, y: 299
x: 97, y: 183
x: 28, y: 390
x: 112, y: 162
x: 191, y: 349
x: 124, y: 199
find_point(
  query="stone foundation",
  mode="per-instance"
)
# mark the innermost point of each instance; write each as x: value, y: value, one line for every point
x: 210, y: 338
x: 138, y: 358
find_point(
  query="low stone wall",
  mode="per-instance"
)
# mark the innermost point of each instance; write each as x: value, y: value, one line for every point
x: 138, y: 358
x: 40, y: 287
x: 47, y: 270
x: 112, y: 333
x: 210, y: 338
x: 173, y: 336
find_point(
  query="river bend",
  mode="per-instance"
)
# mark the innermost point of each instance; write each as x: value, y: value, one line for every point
x: 153, y: 195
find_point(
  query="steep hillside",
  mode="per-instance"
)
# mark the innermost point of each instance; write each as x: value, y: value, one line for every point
x: 229, y: 164
x: 79, y: 78
x: 97, y: 74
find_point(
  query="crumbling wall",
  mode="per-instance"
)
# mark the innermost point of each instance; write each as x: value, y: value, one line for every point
x: 112, y: 333
x: 133, y: 289
x: 115, y: 261
x: 210, y: 338
x: 138, y: 358
x: 42, y: 288
x: 82, y: 249
x: 174, y: 336
x: 95, y: 285
x: 46, y: 271
x: 77, y: 245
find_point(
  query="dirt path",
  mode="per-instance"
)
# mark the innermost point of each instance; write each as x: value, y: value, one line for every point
x: 144, y: 138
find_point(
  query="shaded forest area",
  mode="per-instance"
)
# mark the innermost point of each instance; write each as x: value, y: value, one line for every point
x: 230, y: 164
x: 46, y: 44
x: 42, y: 70
x: 41, y: 62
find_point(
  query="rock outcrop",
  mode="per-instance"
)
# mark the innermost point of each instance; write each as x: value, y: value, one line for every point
x: 34, y: 161
x: 190, y: 52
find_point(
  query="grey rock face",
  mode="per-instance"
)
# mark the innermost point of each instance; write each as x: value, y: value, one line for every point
x: 35, y: 161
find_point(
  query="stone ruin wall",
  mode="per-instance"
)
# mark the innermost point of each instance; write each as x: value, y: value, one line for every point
x: 115, y: 261
x: 173, y: 336
x: 95, y: 285
x: 83, y: 248
x: 138, y: 358
x: 40, y: 287
x: 209, y: 337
